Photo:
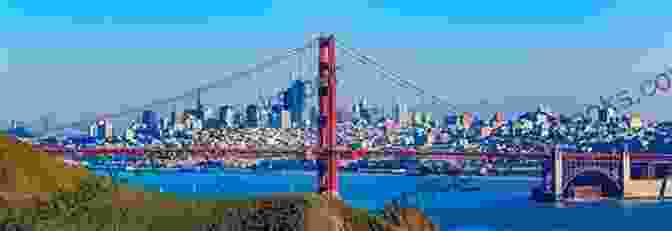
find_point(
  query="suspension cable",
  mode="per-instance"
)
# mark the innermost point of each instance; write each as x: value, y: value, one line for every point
x: 223, y: 83
x: 391, y: 76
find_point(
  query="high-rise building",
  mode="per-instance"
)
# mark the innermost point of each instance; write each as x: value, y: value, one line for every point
x: 363, y: 103
x: 296, y: 100
x: 239, y: 116
x: 165, y: 124
x: 197, y: 114
x: 285, y: 99
x: 225, y: 115
x: 405, y: 120
x: 355, y: 111
x: 364, y: 110
x: 153, y: 122
x: 451, y: 120
x: 309, y: 101
x: 314, y: 116
x: 365, y: 114
x: 211, y: 123
x: 276, y: 119
x: 276, y: 116
x: 197, y: 124
x: 210, y: 117
x: 264, y: 116
x: 423, y: 119
x: 101, y: 129
x: 109, y: 132
x: 151, y: 118
x: 396, y: 109
x: 189, y: 121
x: 429, y: 137
x: 173, y: 115
x: 252, y: 116
x: 603, y: 115
x: 209, y: 113
x: 285, y: 119
x: 180, y: 118
x: 93, y: 129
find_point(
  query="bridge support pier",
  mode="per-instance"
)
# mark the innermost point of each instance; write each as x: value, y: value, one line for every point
x: 551, y: 186
x: 557, y: 175
x: 625, y: 161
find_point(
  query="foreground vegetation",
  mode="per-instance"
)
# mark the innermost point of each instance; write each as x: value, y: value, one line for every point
x: 100, y: 205
x: 40, y: 191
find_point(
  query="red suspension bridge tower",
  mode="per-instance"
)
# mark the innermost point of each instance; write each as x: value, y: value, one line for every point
x: 327, y: 169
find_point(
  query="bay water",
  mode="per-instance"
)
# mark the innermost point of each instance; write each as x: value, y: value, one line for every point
x: 502, y: 203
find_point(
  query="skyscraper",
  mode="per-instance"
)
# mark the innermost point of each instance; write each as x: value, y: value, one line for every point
x: 364, y: 110
x: 165, y: 124
x: 199, y: 106
x: 93, y: 128
x: 252, y: 116
x: 355, y: 111
x: 225, y: 115
x: 152, y: 120
x: 396, y: 110
x: 314, y: 116
x: 275, y: 120
x: 285, y: 119
x: 296, y: 100
x: 264, y: 116
x: 101, y: 129
x: 239, y: 116
x: 285, y: 99
x: 179, y: 120
x: 309, y: 101
x: 210, y: 117
x: 209, y: 113
x: 173, y: 115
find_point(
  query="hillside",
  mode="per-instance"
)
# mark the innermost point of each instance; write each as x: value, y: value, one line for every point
x: 23, y: 170
x: 67, y: 198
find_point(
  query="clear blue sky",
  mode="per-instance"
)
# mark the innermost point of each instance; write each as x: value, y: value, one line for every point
x: 60, y: 57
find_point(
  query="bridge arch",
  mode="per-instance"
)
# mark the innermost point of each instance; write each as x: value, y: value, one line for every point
x: 609, y: 179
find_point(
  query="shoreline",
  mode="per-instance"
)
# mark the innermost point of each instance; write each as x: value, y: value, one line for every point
x: 279, y: 172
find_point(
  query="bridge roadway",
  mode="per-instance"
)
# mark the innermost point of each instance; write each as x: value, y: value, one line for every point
x: 309, y: 152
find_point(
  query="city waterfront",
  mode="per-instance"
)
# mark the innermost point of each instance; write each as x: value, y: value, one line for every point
x: 502, y: 203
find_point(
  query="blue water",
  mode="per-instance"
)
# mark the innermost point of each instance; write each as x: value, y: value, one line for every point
x: 502, y: 203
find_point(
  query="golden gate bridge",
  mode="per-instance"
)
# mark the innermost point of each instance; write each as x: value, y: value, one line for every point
x: 560, y: 168
x: 327, y: 153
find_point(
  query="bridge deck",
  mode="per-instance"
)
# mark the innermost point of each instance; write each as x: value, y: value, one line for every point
x: 311, y: 151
